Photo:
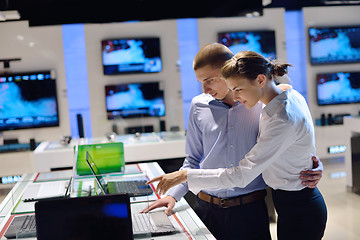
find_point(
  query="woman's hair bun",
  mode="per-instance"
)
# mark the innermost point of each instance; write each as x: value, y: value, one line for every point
x: 278, y: 68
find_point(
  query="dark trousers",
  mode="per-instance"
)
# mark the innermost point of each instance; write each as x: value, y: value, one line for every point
x: 245, y: 222
x: 301, y: 214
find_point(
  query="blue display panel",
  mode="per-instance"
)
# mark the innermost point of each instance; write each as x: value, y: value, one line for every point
x: 28, y: 100
x: 332, y: 45
x: 338, y: 88
x: 135, y: 100
x: 134, y: 55
x: 262, y: 42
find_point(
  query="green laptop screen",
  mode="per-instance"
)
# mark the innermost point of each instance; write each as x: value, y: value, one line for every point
x: 109, y: 158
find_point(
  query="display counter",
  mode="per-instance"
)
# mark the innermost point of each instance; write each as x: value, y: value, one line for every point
x: 137, y: 148
x: 184, y: 219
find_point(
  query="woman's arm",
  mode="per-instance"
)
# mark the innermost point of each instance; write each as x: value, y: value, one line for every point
x: 274, y: 140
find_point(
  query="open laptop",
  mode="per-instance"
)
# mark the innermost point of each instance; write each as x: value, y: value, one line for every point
x: 46, y: 190
x: 23, y: 226
x: 133, y: 188
x: 94, y: 217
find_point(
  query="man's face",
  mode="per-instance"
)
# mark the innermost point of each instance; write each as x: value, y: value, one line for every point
x: 212, y: 81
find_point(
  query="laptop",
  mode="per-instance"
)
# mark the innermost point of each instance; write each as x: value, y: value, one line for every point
x: 90, y: 218
x: 94, y: 217
x: 133, y: 188
x: 45, y: 190
x: 23, y: 226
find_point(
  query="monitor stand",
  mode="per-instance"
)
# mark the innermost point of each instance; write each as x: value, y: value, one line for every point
x: 1, y: 138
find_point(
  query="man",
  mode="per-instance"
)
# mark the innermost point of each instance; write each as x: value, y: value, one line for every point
x: 220, y: 132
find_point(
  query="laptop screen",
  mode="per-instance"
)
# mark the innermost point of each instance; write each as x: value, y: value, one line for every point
x: 109, y: 157
x: 98, y: 178
x: 96, y: 217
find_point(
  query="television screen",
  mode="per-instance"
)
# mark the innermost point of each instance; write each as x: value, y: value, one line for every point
x: 334, y: 45
x: 135, y: 100
x: 338, y: 88
x: 136, y: 55
x: 262, y: 42
x: 28, y: 100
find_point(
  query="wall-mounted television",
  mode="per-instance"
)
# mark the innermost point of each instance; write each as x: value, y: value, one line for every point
x: 332, y: 45
x: 132, y: 100
x: 338, y: 88
x: 28, y: 100
x: 131, y: 55
x: 262, y: 42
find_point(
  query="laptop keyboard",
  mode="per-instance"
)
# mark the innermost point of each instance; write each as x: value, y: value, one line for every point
x: 126, y: 186
x: 29, y: 225
x: 154, y: 222
x: 133, y: 188
x: 143, y: 223
x: 22, y: 227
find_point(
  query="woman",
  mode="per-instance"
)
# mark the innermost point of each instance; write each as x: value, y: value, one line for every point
x: 285, y: 145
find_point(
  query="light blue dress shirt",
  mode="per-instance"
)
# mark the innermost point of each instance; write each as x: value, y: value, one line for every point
x: 218, y: 136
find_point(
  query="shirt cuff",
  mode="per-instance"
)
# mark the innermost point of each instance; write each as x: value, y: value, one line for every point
x: 178, y: 191
x: 199, y: 179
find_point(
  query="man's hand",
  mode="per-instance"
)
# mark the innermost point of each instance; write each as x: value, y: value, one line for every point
x: 168, y: 202
x: 168, y: 181
x: 312, y: 177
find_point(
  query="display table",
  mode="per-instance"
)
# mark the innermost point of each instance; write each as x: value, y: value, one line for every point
x: 184, y: 219
x: 352, y: 128
x: 146, y: 147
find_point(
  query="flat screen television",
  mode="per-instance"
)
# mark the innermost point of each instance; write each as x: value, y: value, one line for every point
x: 262, y: 42
x: 131, y: 55
x: 338, y: 88
x: 332, y: 45
x: 135, y: 100
x: 28, y: 100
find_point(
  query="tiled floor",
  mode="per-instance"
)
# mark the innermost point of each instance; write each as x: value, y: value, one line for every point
x: 343, y: 206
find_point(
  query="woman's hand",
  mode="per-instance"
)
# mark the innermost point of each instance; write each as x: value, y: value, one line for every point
x: 168, y: 181
x: 311, y: 177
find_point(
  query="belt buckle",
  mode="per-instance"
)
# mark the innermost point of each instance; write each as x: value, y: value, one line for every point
x: 222, y: 203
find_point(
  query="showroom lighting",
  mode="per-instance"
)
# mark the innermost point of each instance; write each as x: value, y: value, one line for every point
x: 9, y: 15
x: 339, y: 2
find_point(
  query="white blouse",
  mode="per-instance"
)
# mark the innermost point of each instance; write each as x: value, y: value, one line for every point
x: 285, y: 145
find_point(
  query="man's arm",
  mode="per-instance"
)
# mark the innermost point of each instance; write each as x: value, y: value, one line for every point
x: 312, y: 177
x: 194, y: 150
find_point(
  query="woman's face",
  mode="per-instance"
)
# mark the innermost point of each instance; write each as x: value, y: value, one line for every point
x: 246, y: 91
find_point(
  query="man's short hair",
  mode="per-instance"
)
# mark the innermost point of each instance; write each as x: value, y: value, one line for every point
x: 214, y: 55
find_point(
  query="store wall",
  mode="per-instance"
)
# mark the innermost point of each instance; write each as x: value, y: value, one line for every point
x: 333, y: 135
x: 40, y: 48
x: 166, y: 30
x: 329, y: 17
x: 272, y: 19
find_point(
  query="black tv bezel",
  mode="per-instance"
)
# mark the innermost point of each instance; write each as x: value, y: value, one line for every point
x: 51, y: 72
x: 130, y: 72
x: 253, y: 31
x: 329, y: 27
x: 133, y: 116
x: 332, y: 104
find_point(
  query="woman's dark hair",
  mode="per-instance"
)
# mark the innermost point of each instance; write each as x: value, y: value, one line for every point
x: 249, y: 65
